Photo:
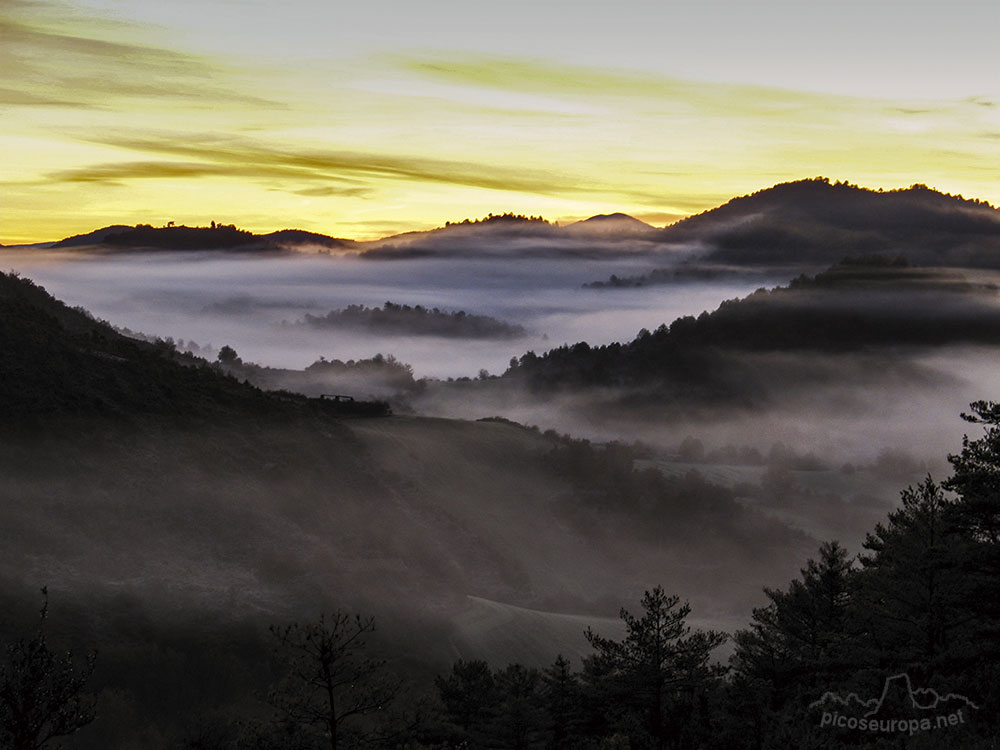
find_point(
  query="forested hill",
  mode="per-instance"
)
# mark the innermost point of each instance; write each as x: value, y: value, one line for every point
x: 816, y: 221
x: 58, y: 361
x: 226, y: 237
x: 856, y: 306
x: 417, y: 320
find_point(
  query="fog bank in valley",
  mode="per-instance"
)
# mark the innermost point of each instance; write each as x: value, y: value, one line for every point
x: 219, y: 299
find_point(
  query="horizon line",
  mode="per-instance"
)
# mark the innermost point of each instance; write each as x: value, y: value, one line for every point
x: 561, y: 221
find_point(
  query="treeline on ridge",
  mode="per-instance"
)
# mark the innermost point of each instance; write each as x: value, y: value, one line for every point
x: 856, y: 306
x: 416, y: 320
x: 814, y: 221
x: 62, y: 362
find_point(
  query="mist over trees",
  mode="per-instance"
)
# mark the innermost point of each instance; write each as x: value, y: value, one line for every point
x: 919, y: 601
x: 816, y: 222
x: 415, y: 320
x: 863, y: 306
x: 379, y: 378
x: 915, y: 611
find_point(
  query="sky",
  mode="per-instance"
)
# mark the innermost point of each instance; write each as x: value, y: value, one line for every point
x: 365, y: 119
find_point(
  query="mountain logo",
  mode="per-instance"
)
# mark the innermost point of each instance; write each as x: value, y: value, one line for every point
x: 900, y: 708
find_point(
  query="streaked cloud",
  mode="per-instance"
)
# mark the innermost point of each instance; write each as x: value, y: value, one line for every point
x: 43, y: 63
x: 554, y: 79
x: 236, y: 156
x: 119, y: 173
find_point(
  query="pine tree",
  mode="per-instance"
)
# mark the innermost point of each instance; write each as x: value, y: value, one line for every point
x: 912, y: 590
x: 976, y: 516
x: 469, y: 695
x: 563, y: 701
x: 801, y: 635
x: 661, y: 671
x: 797, y: 646
x: 520, y: 720
x: 976, y: 477
x: 330, y: 685
x: 42, y: 692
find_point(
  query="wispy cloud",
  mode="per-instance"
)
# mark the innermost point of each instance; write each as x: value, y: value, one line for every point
x: 554, y: 79
x: 15, y: 97
x: 230, y: 155
x: 119, y: 173
x: 45, y: 61
x: 654, y: 95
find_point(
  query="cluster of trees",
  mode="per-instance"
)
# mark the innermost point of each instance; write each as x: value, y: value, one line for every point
x: 693, y: 450
x: 379, y: 363
x: 662, y: 276
x: 861, y: 306
x: 651, y: 687
x: 612, y: 496
x: 181, y: 238
x: 376, y: 378
x: 921, y: 599
x: 415, y: 320
x: 329, y: 693
x: 504, y: 218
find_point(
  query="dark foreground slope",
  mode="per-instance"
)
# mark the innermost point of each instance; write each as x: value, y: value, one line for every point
x: 57, y: 362
x: 177, y: 512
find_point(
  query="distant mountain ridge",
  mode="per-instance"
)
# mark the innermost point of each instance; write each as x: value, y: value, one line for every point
x: 517, y: 235
x: 95, y: 237
x: 808, y: 223
x: 817, y: 222
x: 214, y: 237
x: 618, y: 224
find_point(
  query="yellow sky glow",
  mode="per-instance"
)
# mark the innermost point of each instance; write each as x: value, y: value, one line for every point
x: 108, y: 119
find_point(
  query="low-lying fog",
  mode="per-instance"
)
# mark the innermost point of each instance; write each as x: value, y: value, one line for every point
x: 849, y: 410
x: 914, y: 411
x: 818, y: 450
x: 241, y: 301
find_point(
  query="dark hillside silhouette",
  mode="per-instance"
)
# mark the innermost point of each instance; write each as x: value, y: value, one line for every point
x: 92, y: 238
x: 816, y: 222
x: 301, y: 237
x: 56, y: 362
x: 182, y: 238
x: 215, y: 237
x: 861, y: 305
x: 517, y: 235
x: 811, y: 223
